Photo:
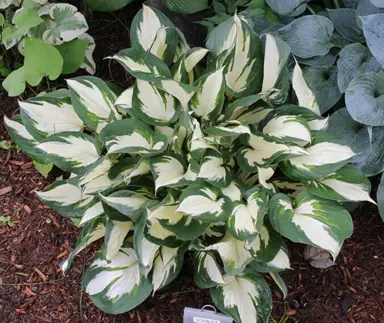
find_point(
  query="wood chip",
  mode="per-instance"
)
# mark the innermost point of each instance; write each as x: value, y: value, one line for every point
x: 16, y: 162
x: 28, y: 292
x: 5, y: 190
x: 41, y: 275
x: 64, y: 253
x: 27, y: 209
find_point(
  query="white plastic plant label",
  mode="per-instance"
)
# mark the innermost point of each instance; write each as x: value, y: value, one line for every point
x: 195, y: 315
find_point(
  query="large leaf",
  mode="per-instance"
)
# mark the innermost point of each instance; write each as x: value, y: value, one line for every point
x: 93, y: 101
x: 71, y: 151
x: 186, y: 6
x: 374, y: 34
x: 355, y: 135
x: 73, y: 54
x: 107, y: 5
x: 68, y: 24
x: 246, y: 298
x: 320, y: 223
x: 117, y: 285
x: 325, y: 156
x: 354, y: 60
x: 346, y: 184
x: 222, y: 37
x: 345, y: 22
x: 288, y: 7
x: 205, y: 202
x: 133, y: 137
x: 207, y: 272
x: 323, y: 83
x: 364, y: 99
x: 44, y: 116
x: 308, y: 36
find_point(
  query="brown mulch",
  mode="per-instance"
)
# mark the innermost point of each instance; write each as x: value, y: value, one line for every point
x: 33, y: 289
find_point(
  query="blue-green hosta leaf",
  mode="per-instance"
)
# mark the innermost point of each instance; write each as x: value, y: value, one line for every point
x: 93, y: 101
x: 380, y: 197
x: 91, y: 232
x: 304, y: 94
x: 259, y: 151
x: 243, y: 73
x: 128, y: 203
x: 158, y: 234
x: 67, y: 198
x: 209, y: 99
x: 324, y: 61
x: 245, y: 297
x: 323, y: 83
x: 71, y: 151
x: 171, y: 171
x: 373, y: 164
x: 364, y: 99
x: 207, y: 272
x: 314, y: 121
x: 288, y: 7
x: 205, y: 202
x: 132, y: 136
x: 345, y: 22
x: 23, y: 20
x: 45, y: 116
x: 89, y: 63
x: 152, y: 31
x: 366, y: 8
x: 153, y: 106
x: 21, y: 136
x: 167, y: 266
x: 68, y: 24
x: 288, y: 128
x: 117, y: 285
x: 314, y: 221
x: 346, y: 184
x: 278, y: 263
x: 325, y: 156
x: 222, y: 37
x: 244, y: 222
x: 216, y: 169
x: 374, y: 33
x: 115, y: 234
x: 186, y: 6
x: 378, y: 3
x: 355, y: 134
x: 308, y: 36
x: 275, y: 60
x: 354, y: 60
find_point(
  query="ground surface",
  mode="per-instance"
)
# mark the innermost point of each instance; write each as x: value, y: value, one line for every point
x: 32, y: 288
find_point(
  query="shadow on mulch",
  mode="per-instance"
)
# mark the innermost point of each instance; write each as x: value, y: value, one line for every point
x: 33, y: 289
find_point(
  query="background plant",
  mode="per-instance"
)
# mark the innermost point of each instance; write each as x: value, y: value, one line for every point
x: 208, y: 160
x: 49, y: 38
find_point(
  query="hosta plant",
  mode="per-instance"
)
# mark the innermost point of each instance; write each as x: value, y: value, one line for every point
x: 199, y: 158
x: 34, y: 32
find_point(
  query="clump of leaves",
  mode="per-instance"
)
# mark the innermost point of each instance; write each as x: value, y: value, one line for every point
x: 7, y: 221
x: 209, y: 161
x: 43, y: 32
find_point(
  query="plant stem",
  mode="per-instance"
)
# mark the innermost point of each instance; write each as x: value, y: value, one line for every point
x: 311, y: 10
x: 336, y: 4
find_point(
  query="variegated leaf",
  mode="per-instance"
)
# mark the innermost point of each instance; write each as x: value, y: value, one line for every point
x: 93, y: 101
x: 245, y: 297
x: 247, y: 216
x: 205, y: 202
x: 275, y: 60
x: 154, y: 106
x: 167, y: 266
x: 346, y: 184
x: 132, y: 136
x: 91, y: 232
x: 209, y: 99
x: 207, y: 272
x: 124, y: 101
x: 325, y: 156
x: 314, y: 221
x: 304, y: 94
x: 183, y: 69
x: 71, y: 151
x: 130, y: 167
x: 280, y: 262
x: 228, y: 129
x: 291, y: 129
x: 92, y: 211
x: 115, y: 234
x: 117, y: 285
x: 89, y: 63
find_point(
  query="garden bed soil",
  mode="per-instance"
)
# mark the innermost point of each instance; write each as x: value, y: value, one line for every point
x: 33, y: 289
